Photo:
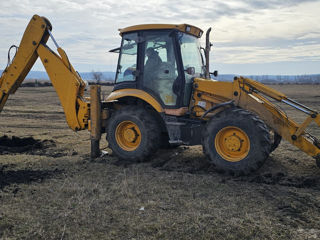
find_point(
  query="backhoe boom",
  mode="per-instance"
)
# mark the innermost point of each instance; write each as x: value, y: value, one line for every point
x: 66, y: 81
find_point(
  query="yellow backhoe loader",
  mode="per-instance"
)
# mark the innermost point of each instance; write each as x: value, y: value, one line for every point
x: 163, y: 95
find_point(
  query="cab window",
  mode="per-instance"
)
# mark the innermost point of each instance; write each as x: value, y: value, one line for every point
x: 127, y: 58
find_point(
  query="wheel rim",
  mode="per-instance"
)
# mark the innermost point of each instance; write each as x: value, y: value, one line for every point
x: 128, y: 135
x: 232, y: 144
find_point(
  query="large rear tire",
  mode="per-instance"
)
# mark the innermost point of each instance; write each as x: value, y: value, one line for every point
x: 236, y: 141
x: 133, y: 133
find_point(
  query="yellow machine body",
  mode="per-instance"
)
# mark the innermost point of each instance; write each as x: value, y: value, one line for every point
x: 186, y: 28
x: 137, y: 93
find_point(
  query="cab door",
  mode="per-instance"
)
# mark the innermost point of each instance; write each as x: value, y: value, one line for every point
x: 160, y: 74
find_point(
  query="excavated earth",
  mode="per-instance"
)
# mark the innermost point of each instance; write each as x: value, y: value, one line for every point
x: 51, y: 189
x: 23, y: 145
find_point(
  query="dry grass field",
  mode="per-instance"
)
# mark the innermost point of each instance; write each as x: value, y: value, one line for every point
x: 50, y: 189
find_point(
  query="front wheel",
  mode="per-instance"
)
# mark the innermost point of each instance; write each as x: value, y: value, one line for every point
x: 236, y: 141
x: 133, y: 133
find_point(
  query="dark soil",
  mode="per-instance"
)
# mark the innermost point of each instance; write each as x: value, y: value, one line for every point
x: 29, y: 145
x: 22, y: 145
x: 24, y: 176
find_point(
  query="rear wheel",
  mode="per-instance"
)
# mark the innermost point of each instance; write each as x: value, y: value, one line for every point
x: 133, y: 133
x: 236, y: 141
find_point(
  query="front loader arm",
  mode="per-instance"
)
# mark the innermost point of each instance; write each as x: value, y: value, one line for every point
x: 66, y: 81
x: 254, y: 96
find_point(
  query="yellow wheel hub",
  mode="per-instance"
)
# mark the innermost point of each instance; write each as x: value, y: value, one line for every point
x: 232, y: 144
x: 128, y: 135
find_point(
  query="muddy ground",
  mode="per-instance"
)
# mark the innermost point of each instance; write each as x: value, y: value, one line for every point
x: 49, y: 188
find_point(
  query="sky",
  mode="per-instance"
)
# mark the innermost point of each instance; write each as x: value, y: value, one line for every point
x: 250, y: 37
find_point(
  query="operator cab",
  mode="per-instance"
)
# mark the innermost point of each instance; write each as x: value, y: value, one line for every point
x: 161, y: 60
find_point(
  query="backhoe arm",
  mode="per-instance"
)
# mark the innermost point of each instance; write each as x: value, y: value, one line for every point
x: 66, y: 81
x: 255, y: 97
x: 25, y: 57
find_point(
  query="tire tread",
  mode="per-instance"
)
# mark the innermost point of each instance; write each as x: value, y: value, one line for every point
x: 240, y: 115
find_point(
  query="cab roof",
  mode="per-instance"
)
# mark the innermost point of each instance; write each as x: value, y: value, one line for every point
x: 186, y: 28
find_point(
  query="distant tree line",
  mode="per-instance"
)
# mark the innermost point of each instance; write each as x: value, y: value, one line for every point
x: 287, y: 79
x: 36, y: 83
x: 46, y: 83
x: 97, y: 78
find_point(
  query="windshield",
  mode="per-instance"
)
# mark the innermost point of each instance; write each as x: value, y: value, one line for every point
x: 191, y: 54
x: 192, y: 61
x: 127, y: 58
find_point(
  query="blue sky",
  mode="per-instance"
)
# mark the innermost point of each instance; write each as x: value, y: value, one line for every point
x: 249, y: 36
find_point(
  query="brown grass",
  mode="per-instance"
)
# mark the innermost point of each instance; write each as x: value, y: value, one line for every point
x: 58, y: 193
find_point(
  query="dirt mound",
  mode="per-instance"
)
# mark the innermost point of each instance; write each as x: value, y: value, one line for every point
x: 22, y: 145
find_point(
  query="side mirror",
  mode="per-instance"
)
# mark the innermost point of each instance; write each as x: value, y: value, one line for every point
x: 215, y: 73
x: 190, y: 70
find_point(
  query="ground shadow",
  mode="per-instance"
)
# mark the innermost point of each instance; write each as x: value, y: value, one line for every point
x: 23, y: 145
x: 29, y: 145
x: 25, y: 176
